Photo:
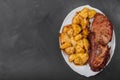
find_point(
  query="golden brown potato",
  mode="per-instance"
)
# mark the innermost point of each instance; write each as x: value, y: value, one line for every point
x: 76, y: 28
x: 64, y: 38
x: 78, y: 37
x: 78, y: 61
x: 85, y: 31
x: 73, y: 42
x: 79, y: 49
x: 84, y: 13
x: 70, y: 32
x: 69, y: 50
x: 68, y: 29
x: 65, y: 45
x: 84, y: 57
x: 92, y: 13
x: 80, y: 43
x: 84, y: 23
x: 72, y: 57
x: 85, y: 36
x: 86, y: 44
x: 76, y: 19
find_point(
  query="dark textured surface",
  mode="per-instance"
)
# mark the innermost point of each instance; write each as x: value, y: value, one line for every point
x: 29, y: 47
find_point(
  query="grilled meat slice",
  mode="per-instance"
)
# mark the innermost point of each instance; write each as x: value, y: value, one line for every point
x: 100, y: 36
x: 99, y: 55
x: 102, y: 28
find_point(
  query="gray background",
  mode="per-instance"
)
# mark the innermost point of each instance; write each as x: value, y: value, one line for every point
x: 29, y: 32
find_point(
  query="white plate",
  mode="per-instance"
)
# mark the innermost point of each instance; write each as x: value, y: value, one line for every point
x: 84, y: 70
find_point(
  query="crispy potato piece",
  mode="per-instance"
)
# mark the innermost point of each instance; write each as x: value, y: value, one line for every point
x: 84, y: 13
x: 86, y: 44
x: 72, y: 57
x: 68, y: 29
x: 65, y: 45
x: 76, y: 19
x: 84, y: 36
x: 78, y: 37
x: 85, y: 31
x: 78, y: 61
x: 76, y: 28
x: 91, y: 13
x: 70, y: 32
x: 73, y: 42
x: 80, y: 43
x: 84, y: 23
x: 79, y: 49
x: 69, y: 50
x: 84, y: 57
x: 64, y: 38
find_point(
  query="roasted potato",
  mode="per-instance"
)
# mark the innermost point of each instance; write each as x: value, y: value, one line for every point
x: 86, y: 44
x: 65, y: 45
x: 73, y: 38
x: 68, y: 30
x: 76, y: 28
x: 84, y: 13
x: 79, y: 49
x: 69, y: 50
x: 78, y: 61
x: 80, y: 43
x: 73, y: 42
x: 64, y: 38
x: 72, y: 57
x: 83, y: 56
x: 91, y: 13
x: 85, y: 31
x: 76, y: 19
x: 84, y: 23
x: 78, y: 37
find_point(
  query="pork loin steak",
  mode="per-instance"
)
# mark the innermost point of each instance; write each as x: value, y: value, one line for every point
x: 100, y: 36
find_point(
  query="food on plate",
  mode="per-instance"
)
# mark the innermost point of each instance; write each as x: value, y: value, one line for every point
x: 87, y: 40
x: 79, y: 58
x: 84, y: 44
x: 102, y: 28
x: 100, y: 36
x: 82, y: 17
x: 74, y: 37
x: 92, y: 13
